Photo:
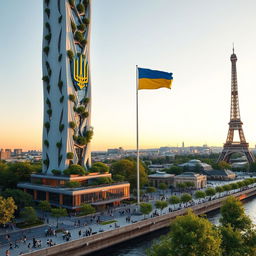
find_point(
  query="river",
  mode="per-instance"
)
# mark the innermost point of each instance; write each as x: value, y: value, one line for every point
x: 138, y: 246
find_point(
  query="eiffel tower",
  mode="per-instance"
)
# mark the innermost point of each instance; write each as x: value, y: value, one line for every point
x: 235, y: 124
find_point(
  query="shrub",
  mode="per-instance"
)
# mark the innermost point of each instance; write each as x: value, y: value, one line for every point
x: 74, y: 169
x: 46, y: 50
x: 48, y: 103
x: 80, y: 140
x: 47, y: 125
x: 88, y: 135
x: 46, y: 161
x: 174, y: 200
x: 70, y: 54
x: 70, y: 155
x: 227, y: 187
x: 210, y: 191
x: 48, y: 12
x: 61, y: 127
x: 72, y: 184
x: 185, y: 197
x: 80, y: 109
x: 49, y: 112
x: 47, y: 25
x: 72, y: 3
x: 234, y: 185
x: 56, y: 172
x: 48, y: 38
x: 85, y: 114
x: 99, y: 167
x: 86, y: 21
x: 46, y: 79
x: 87, y: 209
x: 73, y: 26
x: 78, y: 36
x: 58, y: 144
x: 150, y: 189
x: 46, y: 143
x: 72, y: 125
x: 80, y: 8
x: 86, y: 100
x: 81, y: 27
x: 200, y: 194
x: 84, y: 42
x: 60, y: 19
x: 72, y: 97
x: 219, y: 189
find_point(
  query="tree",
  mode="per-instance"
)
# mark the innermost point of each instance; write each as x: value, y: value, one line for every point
x: 44, y: 206
x: 99, y: 167
x: 190, y: 235
x: 227, y: 187
x: 72, y: 184
x: 162, y: 186
x: 21, y: 199
x: 222, y: 165
x: 127, y: 168
x: 181, y: 185
x: 210, y: 191
x: 74, y: 169
x: 7, y: 209
x: 87, y: 209
x: 200, y: 194
x: 174, y: 200
x: 252, y: 167
x: 232, y: 212
x: 161, y: 205
x: 175, y: 170
x: 145, y: 208
x: 185, y: 197
x: 58, y: 213
x: 189, y: 184
x: 29, y: 215
x: 219, y: 189
x: 151, y: 189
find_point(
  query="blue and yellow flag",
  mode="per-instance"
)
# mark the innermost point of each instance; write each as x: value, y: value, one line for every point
x: 153, y: 79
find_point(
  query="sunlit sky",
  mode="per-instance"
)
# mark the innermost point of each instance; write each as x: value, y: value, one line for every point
x: 192, y: 39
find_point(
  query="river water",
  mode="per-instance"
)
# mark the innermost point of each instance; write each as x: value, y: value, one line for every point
x: 138, y: 246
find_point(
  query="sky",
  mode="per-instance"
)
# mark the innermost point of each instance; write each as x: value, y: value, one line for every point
x: 192, y: 39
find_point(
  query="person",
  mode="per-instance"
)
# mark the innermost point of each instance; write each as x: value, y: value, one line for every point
x: 7, y: 253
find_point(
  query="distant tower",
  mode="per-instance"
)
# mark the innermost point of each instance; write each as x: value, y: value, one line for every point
x: 235, y: 123
x: 183, y: 144
x: 67, y: 127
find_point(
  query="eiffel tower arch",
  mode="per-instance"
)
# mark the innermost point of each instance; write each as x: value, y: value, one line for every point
x: 235, y: 124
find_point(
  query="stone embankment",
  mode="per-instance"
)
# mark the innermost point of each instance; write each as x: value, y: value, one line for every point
x: 97, y: 242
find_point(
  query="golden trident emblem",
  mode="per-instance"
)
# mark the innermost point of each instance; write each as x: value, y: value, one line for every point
x: 80, y: 72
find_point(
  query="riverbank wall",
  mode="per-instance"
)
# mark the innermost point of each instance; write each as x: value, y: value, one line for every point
x: 87, y: 245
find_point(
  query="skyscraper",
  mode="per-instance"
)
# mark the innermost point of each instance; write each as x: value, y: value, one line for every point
x: 67, y: 130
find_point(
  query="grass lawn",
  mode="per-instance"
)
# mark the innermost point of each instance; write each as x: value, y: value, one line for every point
x: 108, y: 222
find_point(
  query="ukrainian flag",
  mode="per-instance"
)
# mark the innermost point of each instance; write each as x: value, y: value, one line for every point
x: 153, y: 79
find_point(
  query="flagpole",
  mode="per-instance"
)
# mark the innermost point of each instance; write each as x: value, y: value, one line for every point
x: 137, y: 138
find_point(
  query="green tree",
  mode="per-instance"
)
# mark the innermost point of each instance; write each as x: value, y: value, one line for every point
x: 185, y: 197
x: 58, y: 213
x: 227, y: 187
x: 210, y: 191
x: 190, y: 235
x: 72, y: 184
x: 232, y: 212
x: 200, y: 194
x: 99, y: 167
x: 29, y: 215
x: 151, y: 189
x: 127, y: 168
x: 75, y: 169
x: 44, y: 206
x: 7, y: 209
x: 252, y: 167
x: 21, y: 199
x: 146, y: 208
x: 162, y: 186
x: 175, y: 170
x: 161, y: 205
x: 219, y: 189
x: 87, y: 209
x: 174, y: 200
x: 21, y: 170
x: 181, y: 185
x: 222, y: 165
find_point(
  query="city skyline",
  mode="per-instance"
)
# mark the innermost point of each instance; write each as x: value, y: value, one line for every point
x: 196, y: 110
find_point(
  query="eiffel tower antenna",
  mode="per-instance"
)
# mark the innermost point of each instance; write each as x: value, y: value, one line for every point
x: 235, y: 123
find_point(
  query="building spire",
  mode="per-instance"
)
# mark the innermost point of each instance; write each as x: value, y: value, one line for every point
x: 233, y: 48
